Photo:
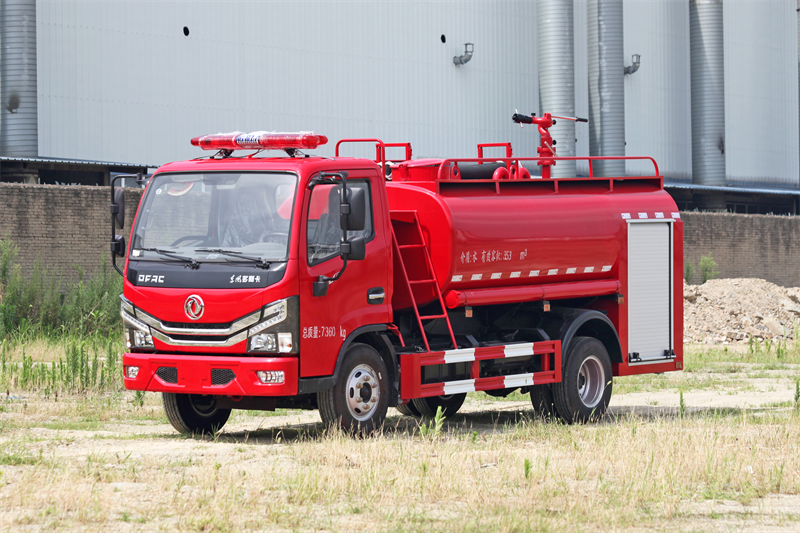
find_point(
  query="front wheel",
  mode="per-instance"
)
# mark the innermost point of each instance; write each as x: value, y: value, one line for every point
x: 360, y: 398
x: 585, y: 389
x: 194, y: 413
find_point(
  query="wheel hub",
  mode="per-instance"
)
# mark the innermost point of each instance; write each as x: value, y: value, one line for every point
x: 363, y: 392
x: 591, y: 381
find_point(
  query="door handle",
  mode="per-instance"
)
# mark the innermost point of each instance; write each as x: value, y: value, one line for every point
x: 376, y: 295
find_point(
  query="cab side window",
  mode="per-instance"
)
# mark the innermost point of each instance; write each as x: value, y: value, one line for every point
x: 323, y: 231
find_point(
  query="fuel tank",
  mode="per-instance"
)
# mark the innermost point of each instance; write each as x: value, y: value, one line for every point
x: 515, y: 233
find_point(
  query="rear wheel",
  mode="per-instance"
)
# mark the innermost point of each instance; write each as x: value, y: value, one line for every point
x: 408, y: 409
x: 585, y: 390
x: 450, y: 404
x: 194, y: 413
x: 360, y: 398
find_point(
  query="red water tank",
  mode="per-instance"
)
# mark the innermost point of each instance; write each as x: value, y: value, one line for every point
x: 523, y: 233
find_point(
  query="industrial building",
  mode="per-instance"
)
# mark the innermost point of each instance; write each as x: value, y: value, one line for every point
x: 709, y: 88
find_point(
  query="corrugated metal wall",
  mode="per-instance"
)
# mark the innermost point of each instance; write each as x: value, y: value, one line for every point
x: 761, y: 113
x: 120, y: 80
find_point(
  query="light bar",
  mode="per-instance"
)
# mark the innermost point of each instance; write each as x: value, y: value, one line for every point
x: 259, y: 140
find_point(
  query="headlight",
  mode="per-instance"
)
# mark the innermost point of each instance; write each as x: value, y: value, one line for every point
x: 137, y: 333
x: 277, y: 330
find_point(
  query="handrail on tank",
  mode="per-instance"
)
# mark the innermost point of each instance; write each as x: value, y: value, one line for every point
x: 380, y: 146
x: 507, y: 146
x: 516, y: 161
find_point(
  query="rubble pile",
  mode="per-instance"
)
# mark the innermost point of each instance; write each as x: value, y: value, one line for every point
x: 726, y: 311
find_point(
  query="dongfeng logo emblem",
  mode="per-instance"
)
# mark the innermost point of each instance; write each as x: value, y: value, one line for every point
x: 194, y: 307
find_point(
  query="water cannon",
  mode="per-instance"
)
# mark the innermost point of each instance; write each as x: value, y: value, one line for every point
x: 547, y: 148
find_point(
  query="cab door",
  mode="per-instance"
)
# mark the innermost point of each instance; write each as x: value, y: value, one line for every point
x: 354, y: 300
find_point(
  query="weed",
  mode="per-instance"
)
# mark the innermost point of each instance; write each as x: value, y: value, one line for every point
x: 432, y: 430
x: 797, y: 395
x: 688, y: 272
x: 682, y: 406
x: 708, y: 268
x: 526, y: 467
x: 138, y: 399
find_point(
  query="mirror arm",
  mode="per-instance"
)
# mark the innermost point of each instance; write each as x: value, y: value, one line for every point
x: 114, y: 211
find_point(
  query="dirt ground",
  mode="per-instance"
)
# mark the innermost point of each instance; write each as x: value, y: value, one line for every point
x: 78, y: 466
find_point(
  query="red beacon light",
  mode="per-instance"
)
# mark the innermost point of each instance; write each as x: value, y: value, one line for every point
x: 260, y: 140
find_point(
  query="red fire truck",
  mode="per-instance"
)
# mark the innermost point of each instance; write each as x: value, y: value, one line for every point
x: 352, y: 285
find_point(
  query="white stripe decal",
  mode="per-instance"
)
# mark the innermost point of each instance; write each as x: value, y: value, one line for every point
x: 518, y: 350
x: 457, y: 278
x: 457, y: 387
x: 520, y: 380
x: 571, y: 270
x: 659, y: 215
x: 642, y: 215
x: 676, y: 215
x: 626, y: 216
x: 496, y: 275
x: 552, y: 272
x: 515, y: 274
x: 534, y: 273
x: 606, y: 268
x: 459, y: 356
x: 588, y: 269
x: 476, y: 276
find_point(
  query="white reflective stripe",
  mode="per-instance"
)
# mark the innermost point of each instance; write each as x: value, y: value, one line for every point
x: 626, y: 216
x: 520, y: 380
x: 518, y: 350
x: 496, y: 275
x: 588, y: 269
x: 533, y: 273
x: 458, y: 387
x: 606, y: 268
x: 515, y: 274
x: 552, y: 272
x: 642, y: 215
x: 457, y: 278
x: 459, y: 356
x: 476, y: 276
x: 676, y: 215
x: 571, y: 270
x: 659, y: 215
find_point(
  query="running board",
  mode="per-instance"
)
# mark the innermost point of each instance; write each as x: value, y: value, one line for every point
x: 411, y: 386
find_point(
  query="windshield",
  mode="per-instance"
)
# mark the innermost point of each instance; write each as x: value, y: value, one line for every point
x: 216, y: 217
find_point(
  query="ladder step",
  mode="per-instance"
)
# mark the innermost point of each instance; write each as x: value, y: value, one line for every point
x: 404, y: 246
x: 431, y: 317
x: 421, y: 281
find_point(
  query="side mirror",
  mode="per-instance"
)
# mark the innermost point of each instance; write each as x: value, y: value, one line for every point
x: 354, y: 250
x: 353, y: 210
x: 118, y: 246
x: 118, y: 208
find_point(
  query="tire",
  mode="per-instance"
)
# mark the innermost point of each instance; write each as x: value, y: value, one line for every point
x: 450, y: 404
x: 194, y: 413
x: 542, y: 401
x: 408, y: 409
x: 363, y: 380
x: 585, y: 389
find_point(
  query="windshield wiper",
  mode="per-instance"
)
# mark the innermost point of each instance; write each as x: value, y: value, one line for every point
x: 262, y: 262
x: 193, y: 264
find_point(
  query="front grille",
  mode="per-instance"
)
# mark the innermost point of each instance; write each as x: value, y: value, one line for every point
x: 203, y: 338
x: 183, y: 325
x: 168, y: 374
x: 222, y: 376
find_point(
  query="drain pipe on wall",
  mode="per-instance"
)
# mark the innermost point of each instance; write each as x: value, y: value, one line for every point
x: 557, y: 76
x: 606, y: 86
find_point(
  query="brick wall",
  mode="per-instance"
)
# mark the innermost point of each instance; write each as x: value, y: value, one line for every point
x: 70, y: 225
x: 745, y: 246
x: 65, y: 226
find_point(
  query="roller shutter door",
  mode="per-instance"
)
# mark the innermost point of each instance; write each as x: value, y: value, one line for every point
x: 649, y: 290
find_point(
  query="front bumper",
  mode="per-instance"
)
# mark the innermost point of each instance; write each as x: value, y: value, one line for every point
x: 197, y: 374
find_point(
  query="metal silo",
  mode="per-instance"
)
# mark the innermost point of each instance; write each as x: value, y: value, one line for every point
x: 18, y: 125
